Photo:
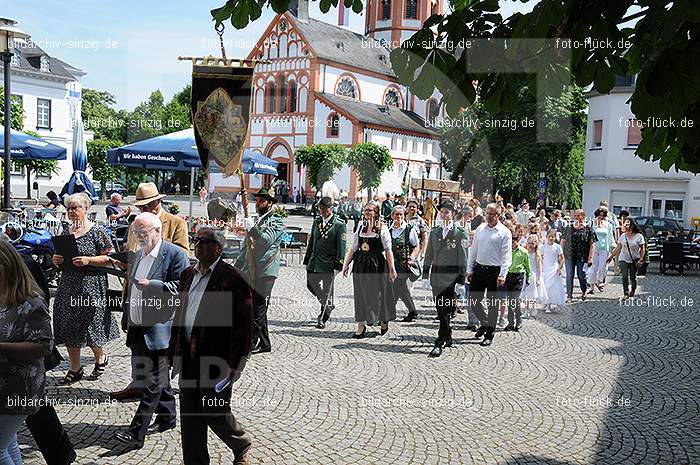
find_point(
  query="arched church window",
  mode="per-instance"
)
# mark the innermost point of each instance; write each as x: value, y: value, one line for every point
x: 346, y: 88
x: 392, y: 98
x: 386, y: 9
x: 292, y: 96
x: 412, y: 9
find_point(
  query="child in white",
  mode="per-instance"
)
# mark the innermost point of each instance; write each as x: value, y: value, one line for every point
x: 534, y: 292
x: 552, y: 266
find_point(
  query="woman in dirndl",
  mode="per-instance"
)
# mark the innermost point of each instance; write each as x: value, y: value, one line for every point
x: 372, y: 270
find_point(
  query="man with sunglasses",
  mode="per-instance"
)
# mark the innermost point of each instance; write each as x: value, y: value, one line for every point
x: 260, y: 262
x: 174, y: 230
x: 209, y: 347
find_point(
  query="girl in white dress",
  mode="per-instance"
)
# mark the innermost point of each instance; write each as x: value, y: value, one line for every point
x: 552, y: 266
x: 534, y: 292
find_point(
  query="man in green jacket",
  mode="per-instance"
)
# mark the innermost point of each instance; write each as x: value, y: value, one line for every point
x: 446, y: 261
x: 324, y: 256
x: 260, y: 262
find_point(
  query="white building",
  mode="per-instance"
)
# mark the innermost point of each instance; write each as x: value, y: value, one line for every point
x: 613, y: 172
x: 42, y: 83
x: 325, y: 84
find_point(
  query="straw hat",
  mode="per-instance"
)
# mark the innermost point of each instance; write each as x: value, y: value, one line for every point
x: 146, y: 193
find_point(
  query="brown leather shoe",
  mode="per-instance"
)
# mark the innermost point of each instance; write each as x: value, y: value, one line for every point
x: 127, y: 394
x: 243, y: 457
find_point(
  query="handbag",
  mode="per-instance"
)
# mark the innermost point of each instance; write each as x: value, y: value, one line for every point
x: 414, y: 271
x: 636, y: 262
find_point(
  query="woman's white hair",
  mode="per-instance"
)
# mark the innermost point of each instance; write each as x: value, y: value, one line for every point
x: 78, y: 199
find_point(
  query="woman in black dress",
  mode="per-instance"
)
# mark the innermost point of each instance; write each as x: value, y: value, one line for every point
x: 80, y: 313
x: 369, y: 273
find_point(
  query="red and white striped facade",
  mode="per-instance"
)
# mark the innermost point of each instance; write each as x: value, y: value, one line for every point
x: 287, y: 113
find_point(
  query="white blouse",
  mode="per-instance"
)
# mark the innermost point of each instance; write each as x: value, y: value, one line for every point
x: 384, y: 235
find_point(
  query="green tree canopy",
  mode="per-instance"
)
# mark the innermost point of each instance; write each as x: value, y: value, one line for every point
x: 589, y: 43
x: 499, y: 151
x: 16, y: 112
x: 103, y: 171
x: 321, y: 161
x: 370, y: 161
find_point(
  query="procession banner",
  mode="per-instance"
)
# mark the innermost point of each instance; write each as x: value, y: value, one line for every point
x: 435, y: 185
x: 221, y: 98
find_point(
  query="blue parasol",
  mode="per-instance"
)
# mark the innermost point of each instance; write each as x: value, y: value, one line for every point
x: 175, y: 151
x: 79, y: 181
x: 26, y: 147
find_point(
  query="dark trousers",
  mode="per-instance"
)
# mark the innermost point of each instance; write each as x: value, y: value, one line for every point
x: 578, y: 266
x: 513, y: 286
x: 201, y: 408
x: 485, y: 278
x: 399, y: 290
x: 158, y: 397
x: 321, y: 286
x: 629, y: 275
x: 446, y: 304
x: 261, y: 301
x: 50, y: 437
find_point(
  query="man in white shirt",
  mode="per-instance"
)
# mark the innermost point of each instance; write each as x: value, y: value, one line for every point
x: 490, y: 257
x: 148, y: 315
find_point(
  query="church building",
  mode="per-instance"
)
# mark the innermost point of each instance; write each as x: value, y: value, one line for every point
x: 321, y: 83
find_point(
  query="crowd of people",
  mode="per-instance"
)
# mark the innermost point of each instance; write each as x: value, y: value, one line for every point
x: 202, y: 318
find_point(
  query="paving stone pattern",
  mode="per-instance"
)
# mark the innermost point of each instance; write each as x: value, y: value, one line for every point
x: 594, y: 383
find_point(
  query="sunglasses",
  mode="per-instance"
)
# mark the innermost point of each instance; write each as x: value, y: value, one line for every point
x: 202, y: 240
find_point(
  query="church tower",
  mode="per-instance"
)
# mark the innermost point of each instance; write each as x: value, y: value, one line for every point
x: 397, y: 20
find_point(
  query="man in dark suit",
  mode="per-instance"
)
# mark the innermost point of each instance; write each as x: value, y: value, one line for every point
x: 148, y: 314
x: 446, y: 261
x: 210, y: 344
x: 324, y: 256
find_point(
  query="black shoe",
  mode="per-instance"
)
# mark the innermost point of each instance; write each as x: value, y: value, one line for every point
x: 261, y: 350
x: 409, y: 318
x: 509, y: 328
x: 436, y: 352
x: 127, y: 438
x: 361, y: 335
x: 320, y: 324
x: 72, y: 377
x: 471, y: 327
x: 517, y: 327
x: 157, y: 428
x: 486, y: 342
x: 448, y: 343
x: 480, y: 332
x: 327, y: 313
x: 453, y: 314
x: 98, y: 370
x: 384, y: 330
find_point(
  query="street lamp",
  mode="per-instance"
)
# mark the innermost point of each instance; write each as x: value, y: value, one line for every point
x: 8, y: 34
x: 427, y: 164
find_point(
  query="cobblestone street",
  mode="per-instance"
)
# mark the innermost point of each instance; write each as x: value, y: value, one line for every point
x: 593, y: 383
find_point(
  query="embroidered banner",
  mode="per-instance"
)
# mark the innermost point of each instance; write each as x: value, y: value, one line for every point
x: 221, y: 98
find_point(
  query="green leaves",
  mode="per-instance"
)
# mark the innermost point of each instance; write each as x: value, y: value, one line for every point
x: 321, y: 161
x: 370, y: 161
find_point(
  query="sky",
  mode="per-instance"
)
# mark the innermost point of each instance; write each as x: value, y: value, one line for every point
x: 130, y: 48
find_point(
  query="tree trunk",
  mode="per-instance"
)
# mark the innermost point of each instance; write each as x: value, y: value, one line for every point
x: 103, y: 185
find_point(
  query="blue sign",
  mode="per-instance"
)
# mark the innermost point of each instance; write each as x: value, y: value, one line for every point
x: 542, y: 183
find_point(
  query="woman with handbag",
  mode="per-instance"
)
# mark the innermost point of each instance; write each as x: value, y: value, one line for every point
x: 630, y: 248
x: 405, y: 245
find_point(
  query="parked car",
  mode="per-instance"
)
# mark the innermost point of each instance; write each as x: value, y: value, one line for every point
x: 110, y: 188
x: 658, y: 224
